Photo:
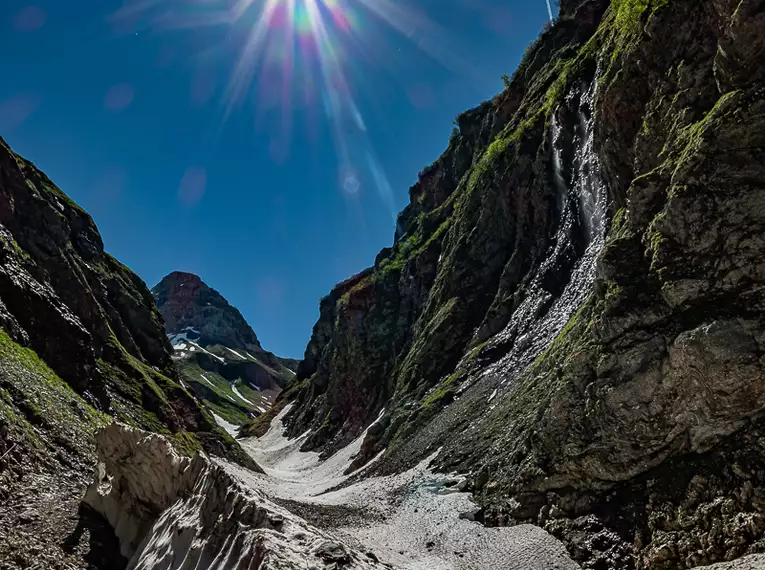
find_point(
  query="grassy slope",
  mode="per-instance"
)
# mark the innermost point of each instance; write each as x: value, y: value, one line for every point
x: 40, y: 411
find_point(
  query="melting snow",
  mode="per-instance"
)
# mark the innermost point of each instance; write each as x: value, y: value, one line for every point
x: 235, y: 352
x: 240, y: 396
x: 182, y: 336
x: 232, y: 429
x: 207, y: 380
x: 405, y: 538
x: 206, y: 351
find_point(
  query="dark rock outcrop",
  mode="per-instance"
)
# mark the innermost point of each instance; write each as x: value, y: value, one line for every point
x: 573, y: 306
x: 90, y: 318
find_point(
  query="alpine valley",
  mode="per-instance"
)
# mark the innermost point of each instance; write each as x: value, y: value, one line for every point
x: 559, y: 362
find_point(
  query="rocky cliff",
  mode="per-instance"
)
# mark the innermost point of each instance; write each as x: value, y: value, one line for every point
x: 573, y: 305
x: 80, y: 342
x: 217, y: 352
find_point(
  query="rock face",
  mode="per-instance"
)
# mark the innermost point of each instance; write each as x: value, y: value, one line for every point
x: 174, y: 512
x: 573, y: 306
x: 185, y: 301
x: 80, y: 340
x: 90, y: 318
x: 218, y: 354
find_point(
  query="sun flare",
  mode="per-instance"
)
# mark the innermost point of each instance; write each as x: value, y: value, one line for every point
x: 304, y: 55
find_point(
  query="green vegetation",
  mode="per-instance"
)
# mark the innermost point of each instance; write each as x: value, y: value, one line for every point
x: 416, y: 242
x: 627, y: 21
x: 219, y: 395
x: 147, y: 399
x: 443, y: 393
x: 7, y: 241
x: 628, y: 13
x: 38, y: 180
x: 40, y: 407
x: 552, y: 68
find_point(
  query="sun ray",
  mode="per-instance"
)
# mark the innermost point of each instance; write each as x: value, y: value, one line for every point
x: 244, y: 71
x: 308, y: 54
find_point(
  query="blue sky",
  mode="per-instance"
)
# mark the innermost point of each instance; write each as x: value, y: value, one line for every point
x: 267, y: 152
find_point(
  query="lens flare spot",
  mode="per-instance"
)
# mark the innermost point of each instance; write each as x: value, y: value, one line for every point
x: 498, y: 19
x: 119, y: 97
x: 421, y: 96
x: 29, y: 19
x: 350, y: 182
x: 193, y: 186
x: 15, y: 110
x: 271, y: 291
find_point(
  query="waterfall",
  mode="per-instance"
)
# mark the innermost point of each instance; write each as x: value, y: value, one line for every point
x: 582, y: 202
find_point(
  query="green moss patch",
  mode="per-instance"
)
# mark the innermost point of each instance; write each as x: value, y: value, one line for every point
x: 41, y: 409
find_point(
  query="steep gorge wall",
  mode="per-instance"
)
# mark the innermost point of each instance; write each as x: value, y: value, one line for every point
x: 634, y: 431
x: 87, y: 316
x: 80, y: 343
x: 462, y: 247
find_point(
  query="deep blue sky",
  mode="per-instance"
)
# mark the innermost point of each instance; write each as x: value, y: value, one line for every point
x: 276, y: 191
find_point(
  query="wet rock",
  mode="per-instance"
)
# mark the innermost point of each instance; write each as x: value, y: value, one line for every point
x: 643, y: 413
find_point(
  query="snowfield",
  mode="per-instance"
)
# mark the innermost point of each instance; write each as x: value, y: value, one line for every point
x: 411, y: 520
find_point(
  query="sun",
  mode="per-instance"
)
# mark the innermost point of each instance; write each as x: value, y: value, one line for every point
x: 294, y: 53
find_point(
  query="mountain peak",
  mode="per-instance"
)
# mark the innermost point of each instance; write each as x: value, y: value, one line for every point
x: 183, y: 276
x: 187, y: 302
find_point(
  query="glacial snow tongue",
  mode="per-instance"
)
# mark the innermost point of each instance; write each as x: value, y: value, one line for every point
x: 174, y: 512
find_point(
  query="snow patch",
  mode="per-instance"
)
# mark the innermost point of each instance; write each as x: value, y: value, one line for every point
x: 206, y: 379
x: 232, y: 429
x: 207, y: 352
x: 404, y: 537
x: 235, y: 352
x: 240, y: 395
x: 181, y: 337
